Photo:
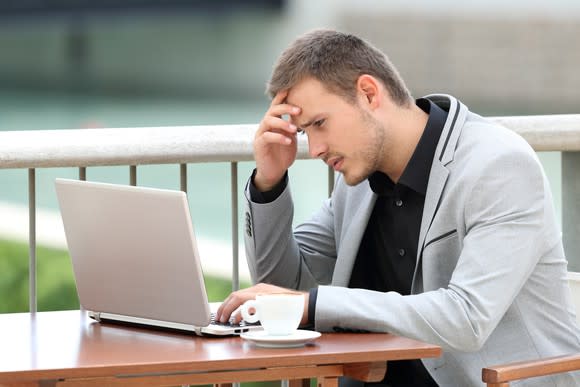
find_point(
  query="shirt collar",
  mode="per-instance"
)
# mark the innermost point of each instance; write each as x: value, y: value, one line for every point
x: 416, y: 173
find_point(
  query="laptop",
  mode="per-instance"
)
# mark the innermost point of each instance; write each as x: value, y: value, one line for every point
x: 135, y: 259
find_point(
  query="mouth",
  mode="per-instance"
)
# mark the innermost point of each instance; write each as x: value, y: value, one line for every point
x: 335, y: 163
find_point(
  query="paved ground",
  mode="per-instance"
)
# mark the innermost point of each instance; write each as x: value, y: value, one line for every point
x: 216, y: 256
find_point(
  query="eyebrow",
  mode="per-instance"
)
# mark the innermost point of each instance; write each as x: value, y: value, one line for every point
x: 317, y: 117
x: 307, y: 124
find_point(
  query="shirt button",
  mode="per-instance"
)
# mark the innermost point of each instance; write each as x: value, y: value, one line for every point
x: 402, y: 252
x: 398, y: 202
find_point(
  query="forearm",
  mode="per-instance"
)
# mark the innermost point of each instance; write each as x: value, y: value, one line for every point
x: 273, y: 255
x: 298, y: 259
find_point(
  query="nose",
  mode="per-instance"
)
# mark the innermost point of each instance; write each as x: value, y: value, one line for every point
x: 316, y: 147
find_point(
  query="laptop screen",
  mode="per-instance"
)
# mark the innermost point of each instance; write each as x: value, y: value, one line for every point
x: 133, y: 251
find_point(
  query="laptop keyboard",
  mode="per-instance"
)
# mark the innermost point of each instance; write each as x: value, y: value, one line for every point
x: 231, y: 323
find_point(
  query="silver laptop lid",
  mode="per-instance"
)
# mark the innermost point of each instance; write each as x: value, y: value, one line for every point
x: 133, y: 251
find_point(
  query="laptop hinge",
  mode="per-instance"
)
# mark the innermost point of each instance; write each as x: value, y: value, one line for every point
x: 95, y: 316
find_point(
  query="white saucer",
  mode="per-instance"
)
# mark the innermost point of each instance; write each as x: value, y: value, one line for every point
x: 297, y: 339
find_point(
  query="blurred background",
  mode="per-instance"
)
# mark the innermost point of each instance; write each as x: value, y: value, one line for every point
x: 130, y: 63
x: 517, y: 56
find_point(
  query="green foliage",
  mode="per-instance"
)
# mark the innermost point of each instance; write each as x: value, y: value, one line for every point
x: 13, y: 277
x: 55, y: 282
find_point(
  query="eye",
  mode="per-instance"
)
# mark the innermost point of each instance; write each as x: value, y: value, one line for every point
x: 319, y: 123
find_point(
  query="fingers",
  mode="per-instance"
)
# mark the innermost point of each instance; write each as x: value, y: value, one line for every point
x: 273, y: 118
x: 280, y: 97
x: 282, y: 109
x: 275, y: 143
x: 276, y: 130
x: 230, y: 306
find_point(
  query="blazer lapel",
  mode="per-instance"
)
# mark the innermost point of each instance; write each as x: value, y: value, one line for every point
x: 437, y: 180
x: 351, y: 238
x: 439, y: 172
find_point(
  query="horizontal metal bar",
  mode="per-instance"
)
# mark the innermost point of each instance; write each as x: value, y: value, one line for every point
x: 126, y: 146
x: 557, y: 132
x: 218, y: 143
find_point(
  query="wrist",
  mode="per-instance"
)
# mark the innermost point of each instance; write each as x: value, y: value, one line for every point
x: 305, y: 318
x: 262, y: 197
x: 263, y: 184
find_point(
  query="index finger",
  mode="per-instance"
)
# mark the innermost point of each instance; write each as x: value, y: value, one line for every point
x: 229, y: 306
x: 279, y: 97
x: 223, y: 313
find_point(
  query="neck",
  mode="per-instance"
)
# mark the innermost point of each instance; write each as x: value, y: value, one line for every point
x: 406, y: 125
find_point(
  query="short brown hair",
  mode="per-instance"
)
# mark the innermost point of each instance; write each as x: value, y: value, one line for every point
x: 337, y: 60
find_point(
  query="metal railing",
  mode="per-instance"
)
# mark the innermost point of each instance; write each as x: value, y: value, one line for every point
x: 183, y: 145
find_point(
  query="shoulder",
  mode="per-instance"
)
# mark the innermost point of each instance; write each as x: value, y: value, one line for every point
x: 489, y: 159
x: 484, y: 142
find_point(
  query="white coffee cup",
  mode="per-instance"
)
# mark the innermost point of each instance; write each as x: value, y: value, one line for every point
x: 279, y: 314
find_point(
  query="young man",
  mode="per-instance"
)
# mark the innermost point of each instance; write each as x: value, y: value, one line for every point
x: 440, y: 228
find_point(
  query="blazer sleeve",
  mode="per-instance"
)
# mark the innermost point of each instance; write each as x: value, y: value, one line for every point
x: 299, y: 259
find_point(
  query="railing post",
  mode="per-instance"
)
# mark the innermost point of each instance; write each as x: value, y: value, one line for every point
x: 235, y: 241
x: 183, y: 177
x: 32, y: 240
x: 83, y: 173
x: 133, y: 175
x: 571, y: 208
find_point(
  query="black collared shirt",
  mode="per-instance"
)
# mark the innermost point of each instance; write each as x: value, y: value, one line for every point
x: 388, y: 250
x: 387, y: 254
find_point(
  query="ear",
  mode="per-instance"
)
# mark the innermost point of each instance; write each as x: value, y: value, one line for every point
x: 369, y: 90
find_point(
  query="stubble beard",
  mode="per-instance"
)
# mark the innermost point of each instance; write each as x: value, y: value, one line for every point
x: 371, y: 155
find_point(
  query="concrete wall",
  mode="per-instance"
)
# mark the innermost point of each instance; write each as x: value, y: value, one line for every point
x: 530, y: 64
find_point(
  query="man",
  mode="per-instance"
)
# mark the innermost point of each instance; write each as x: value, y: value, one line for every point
x: 440, y: 228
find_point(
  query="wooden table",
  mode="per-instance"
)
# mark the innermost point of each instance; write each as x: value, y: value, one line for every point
x: 68, y: 349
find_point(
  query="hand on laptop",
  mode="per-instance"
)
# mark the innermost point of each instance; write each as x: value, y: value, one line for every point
x: 236, y: 299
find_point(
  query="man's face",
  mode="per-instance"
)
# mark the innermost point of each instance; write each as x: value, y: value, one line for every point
x: 343, y: 134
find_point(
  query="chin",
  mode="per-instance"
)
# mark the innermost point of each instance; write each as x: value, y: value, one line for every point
x: 353, y: 180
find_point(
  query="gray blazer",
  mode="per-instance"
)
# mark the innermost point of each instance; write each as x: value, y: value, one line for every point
x: 490, y: 281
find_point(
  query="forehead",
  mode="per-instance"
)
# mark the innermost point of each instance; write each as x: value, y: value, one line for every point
x: 306, y: 92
